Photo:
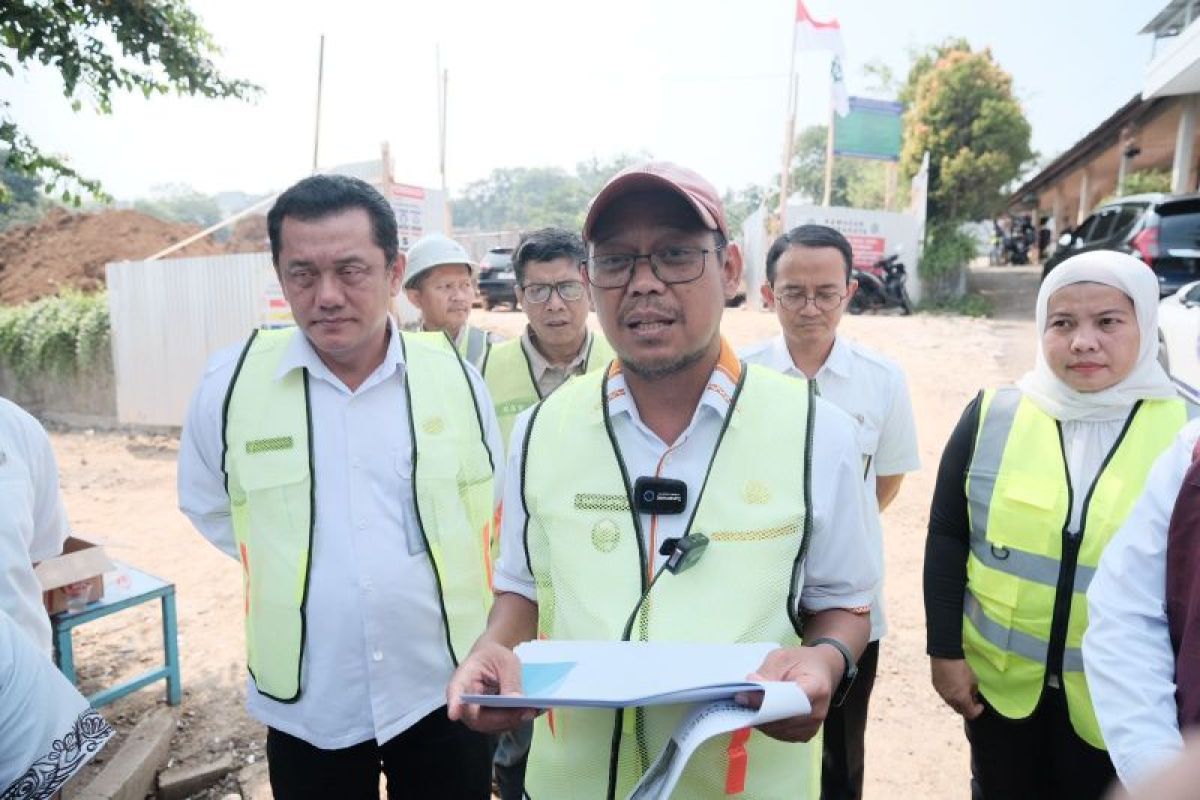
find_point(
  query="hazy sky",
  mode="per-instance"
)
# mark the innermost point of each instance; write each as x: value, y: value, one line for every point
x: 554, y: 82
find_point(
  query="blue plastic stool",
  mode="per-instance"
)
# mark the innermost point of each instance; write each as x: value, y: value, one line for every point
x: 124, y: 588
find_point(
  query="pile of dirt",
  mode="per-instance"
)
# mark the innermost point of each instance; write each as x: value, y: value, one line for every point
x: 66, y: 250
x: 249, y: 235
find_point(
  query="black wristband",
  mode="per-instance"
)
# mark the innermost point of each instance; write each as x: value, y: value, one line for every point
x: 848, y: 674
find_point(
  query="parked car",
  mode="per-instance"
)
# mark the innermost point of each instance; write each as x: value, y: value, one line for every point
x: 497, y: 281
x: 1162, y: 230
x: 1179, y: 337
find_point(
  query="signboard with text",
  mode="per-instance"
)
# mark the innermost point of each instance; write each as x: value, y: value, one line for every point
x: 872, y: 234
x: 418, y: 211
x: 872, y: 129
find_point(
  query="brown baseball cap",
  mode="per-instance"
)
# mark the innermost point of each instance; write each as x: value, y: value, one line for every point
x: 699, y: 193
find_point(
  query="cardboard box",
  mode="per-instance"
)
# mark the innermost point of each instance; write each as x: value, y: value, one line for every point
x: 81, y: 562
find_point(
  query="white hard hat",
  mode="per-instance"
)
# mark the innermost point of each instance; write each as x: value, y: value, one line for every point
x: 434, y: 250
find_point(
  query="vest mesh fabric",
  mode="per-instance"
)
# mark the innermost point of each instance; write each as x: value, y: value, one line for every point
x: 1019, y: 503
x: 583, y: 545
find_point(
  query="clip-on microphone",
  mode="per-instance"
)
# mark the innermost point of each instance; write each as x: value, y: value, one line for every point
x: 683, y: 553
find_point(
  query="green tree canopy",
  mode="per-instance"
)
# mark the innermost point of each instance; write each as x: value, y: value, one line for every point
x: 963, y: 112
x: 857, y: 182
x: 521, y: 198
x: 177, y: 202
x: 100, y: 48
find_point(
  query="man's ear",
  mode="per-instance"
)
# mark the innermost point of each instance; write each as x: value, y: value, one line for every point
x: 731, y: 271
x: 397, y: 279
x: 768, y: 296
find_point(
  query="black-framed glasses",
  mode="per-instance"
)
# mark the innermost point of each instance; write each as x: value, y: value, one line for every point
x: 797, y: 299
x: 569, y: 291
x: 669, y: 265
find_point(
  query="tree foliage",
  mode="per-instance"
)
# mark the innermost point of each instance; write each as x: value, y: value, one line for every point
x: 24, y: 202
x: 963, y: 112
x: 521, y: 198
x: 1145, y: 181
x: 61, y: 335
x: 856, y: 182
x: 101, y: 48
x: 177, y: 202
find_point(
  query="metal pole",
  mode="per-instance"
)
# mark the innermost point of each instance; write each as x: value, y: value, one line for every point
x: 446, y: 211
x: 317, y: 125
x: 785, y: 174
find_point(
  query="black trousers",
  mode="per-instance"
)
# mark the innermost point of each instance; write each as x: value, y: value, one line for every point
x: 842, y: 760
x: 433, y: 758
x: 1040, y: 756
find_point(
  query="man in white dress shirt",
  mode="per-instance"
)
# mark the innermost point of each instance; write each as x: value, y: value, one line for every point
x: 33, y: 524
x: 1128, y: 654
x: 675, y: 447
x: 349, y: 468
x: 809, y: 285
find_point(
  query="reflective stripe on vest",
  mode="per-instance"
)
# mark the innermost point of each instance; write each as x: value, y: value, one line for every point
x: 268, y: 467
x: 474, y: 348
x: 587, y: 555
x: 510, y: 380
x: 1026, y: 576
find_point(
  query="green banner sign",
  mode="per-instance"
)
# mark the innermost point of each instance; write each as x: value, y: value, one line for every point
x: 872, y: 129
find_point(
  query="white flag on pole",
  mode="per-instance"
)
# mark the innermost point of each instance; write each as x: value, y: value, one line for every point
x: 814, y: 35
x: 837, y: 87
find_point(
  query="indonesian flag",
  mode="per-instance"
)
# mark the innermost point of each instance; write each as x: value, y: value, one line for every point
x: 814, y: 35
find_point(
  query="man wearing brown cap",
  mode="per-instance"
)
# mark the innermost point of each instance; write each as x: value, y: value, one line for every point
x: 678, y: 445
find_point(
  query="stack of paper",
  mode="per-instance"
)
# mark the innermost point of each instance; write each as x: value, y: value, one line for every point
x: 624, y: 674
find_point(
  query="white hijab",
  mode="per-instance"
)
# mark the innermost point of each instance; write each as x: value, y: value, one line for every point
x: 1146, y: 381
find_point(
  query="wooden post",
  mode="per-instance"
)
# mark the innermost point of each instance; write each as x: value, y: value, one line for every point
x: 890, y: 181
x: 829, y: 159
x: 785, y: 174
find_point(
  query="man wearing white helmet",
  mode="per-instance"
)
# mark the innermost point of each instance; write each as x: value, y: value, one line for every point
x: 440, y: 282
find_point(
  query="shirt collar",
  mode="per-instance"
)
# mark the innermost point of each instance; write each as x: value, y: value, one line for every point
x: 538, y: 362
x: 300, y: 354
x: 717, y: 396
x: 840, y: 359
x: 837, y: 362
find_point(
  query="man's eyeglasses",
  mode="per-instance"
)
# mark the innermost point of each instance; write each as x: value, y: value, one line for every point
x: 539, y: 293
x: 797, y: 299
x: 669, y: 265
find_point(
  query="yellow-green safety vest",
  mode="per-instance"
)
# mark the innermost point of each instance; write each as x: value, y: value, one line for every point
x: 1025, y: 606
x: 475, y: 347
x: 269, y: 477
x: 587, y: 555
x: 510, y: 381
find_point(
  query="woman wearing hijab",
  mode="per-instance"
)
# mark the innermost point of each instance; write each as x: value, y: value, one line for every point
x: 1034, y: 482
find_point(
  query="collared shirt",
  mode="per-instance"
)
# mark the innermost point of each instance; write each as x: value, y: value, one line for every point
x: 839, y: 572
x: 375, y: 657
x: 872, y: 390
x: 547, y: 376
x: 1127, y: 650
x: 33, y: 523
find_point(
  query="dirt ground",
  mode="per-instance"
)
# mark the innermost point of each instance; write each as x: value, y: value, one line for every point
x: 120, y: 488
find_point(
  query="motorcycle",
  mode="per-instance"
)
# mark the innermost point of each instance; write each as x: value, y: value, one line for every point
x: 1020, y: 242
x: 882, y: 285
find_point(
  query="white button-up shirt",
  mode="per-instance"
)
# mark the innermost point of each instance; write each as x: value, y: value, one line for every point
x: 1127, y: 650
x: 871, y: 389
x: 375, y: 658
x: 33, y: 524
x: 840, y: 570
